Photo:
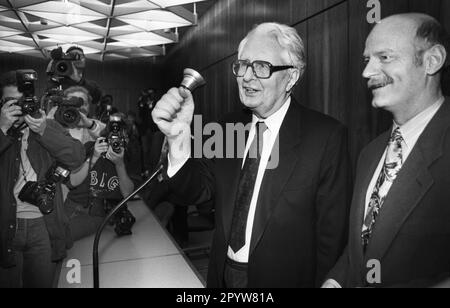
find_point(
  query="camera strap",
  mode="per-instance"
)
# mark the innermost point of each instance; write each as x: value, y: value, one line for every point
x: 89, y: 205
x: 24, y: 173
x: 22, y: 165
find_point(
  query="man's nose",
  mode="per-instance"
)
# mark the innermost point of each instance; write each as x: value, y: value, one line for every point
x: 249, y: 74
x: 370, y: 70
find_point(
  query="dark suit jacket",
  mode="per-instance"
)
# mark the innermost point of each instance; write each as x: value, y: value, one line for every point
x: 411, y: 238
x: 300, y: 223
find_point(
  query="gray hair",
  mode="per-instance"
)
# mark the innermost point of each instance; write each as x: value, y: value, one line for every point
x: 287, y: 37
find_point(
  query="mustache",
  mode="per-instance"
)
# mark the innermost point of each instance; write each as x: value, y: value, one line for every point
x: 379, y: 83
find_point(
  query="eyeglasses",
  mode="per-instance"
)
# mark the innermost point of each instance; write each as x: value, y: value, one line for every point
x: 261, y: 69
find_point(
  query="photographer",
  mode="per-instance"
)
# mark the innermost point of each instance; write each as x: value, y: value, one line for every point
x: 68, y: 70
x: 101, y: 183
x: 31, y: 239
x: 86, y: 129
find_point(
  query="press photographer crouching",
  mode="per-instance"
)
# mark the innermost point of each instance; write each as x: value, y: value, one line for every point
x: 101, y: 183
x: 36, y: 154
x: 71, y: 109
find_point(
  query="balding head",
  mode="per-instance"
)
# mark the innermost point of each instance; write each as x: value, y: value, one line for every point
x: 405, y: 56
x: 423, y: 32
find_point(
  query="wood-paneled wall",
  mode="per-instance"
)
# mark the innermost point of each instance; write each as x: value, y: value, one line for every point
x: 334, y: 32
x: 124, y: 80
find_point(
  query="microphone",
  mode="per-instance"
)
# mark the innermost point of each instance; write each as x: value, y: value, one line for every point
x: 191, y: 81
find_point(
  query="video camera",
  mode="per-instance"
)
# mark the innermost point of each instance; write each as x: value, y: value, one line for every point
x: 116, y: 133
x: 26, y: 84
x: 61, y: 66
x: 42, y: 194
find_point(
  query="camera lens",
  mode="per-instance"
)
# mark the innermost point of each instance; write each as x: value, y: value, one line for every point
x: 71, y: 116
x: 116, y: 146
x: 62, y: 67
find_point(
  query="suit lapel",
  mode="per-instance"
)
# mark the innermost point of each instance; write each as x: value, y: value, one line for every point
x: 412, y: 183
x: 275, y: 179
x: 366, y: 169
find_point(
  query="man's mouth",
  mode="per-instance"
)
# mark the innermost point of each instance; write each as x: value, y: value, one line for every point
x: 375, y: 85
x: 378, y: 86
x: 250, y: 91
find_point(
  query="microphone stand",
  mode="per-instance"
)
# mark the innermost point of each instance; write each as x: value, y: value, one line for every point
x: 108, y: 217
x: 191, y: 80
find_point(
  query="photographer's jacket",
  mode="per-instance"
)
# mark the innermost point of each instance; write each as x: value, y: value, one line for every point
x: 54, y: 145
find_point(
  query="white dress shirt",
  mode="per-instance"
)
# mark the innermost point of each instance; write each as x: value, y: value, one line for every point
x: 269, y: 137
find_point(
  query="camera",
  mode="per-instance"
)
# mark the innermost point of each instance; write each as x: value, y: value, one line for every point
x: 68, y: 113
x: 105, y: 108
x: 116, y: 136
x: 25, y: 84
x: 123, y: 220
x: 42, y: 194
x: 61, y: 65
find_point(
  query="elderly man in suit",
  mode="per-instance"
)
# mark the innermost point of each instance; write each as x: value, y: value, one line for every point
x: 399, y: 221
x: 280, y: 222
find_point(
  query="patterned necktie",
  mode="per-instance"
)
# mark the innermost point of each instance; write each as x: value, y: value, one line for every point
x: 391, y: 168
x: 245, y: 190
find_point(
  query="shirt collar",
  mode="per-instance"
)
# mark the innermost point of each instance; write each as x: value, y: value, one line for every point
x: 275, y: 120
x: 412, y: 129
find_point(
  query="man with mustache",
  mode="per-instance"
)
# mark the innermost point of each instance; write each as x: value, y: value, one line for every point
x: 277, y: 226
x: 399, y: 220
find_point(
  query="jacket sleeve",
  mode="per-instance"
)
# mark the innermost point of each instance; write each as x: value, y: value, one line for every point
x: 194, y: 182
x: 61, y: 146
x: 340, y: 270
x: 5, y: 142
x: 333, y: 202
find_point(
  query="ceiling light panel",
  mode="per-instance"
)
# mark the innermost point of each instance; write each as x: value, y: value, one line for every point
x: 7, y: 46
x: 128, y: 7
x: 66, y: 13
x: 155, y: 20
x: 5, y: 31
x: 168, y: 3
x: 87, y: 50
x: 106, y: 29
x: 24, y: 39
x: 143, y: 39
x: 69, y: 34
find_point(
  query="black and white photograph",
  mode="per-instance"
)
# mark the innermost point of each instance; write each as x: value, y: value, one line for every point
x: 225, y: 151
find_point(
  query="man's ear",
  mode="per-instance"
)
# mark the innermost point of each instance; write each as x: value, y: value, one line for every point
x: 294, y: 77
x: 435, y: 59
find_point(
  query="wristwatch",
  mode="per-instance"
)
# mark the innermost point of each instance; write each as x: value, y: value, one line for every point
x: 92, y: 126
